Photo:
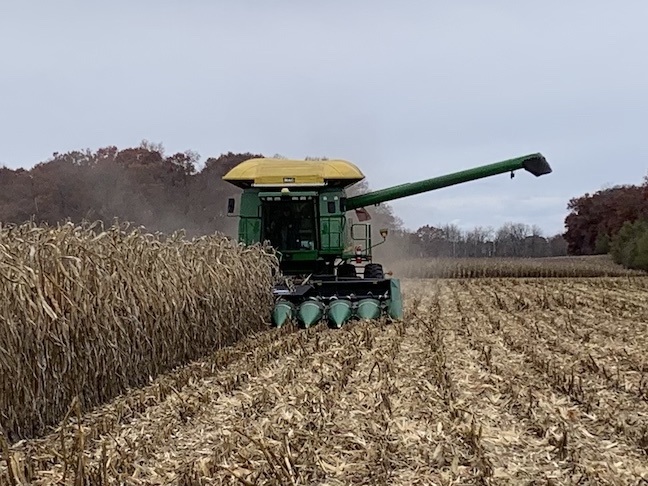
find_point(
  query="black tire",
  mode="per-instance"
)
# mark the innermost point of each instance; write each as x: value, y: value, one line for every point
x: 374, y: 270
x: 347, y: 270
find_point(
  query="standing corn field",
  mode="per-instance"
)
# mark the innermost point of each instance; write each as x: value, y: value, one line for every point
x: 486, y: 267
x: 87, y: 313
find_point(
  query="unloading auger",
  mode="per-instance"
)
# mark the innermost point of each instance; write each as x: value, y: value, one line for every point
x: 301, y: 207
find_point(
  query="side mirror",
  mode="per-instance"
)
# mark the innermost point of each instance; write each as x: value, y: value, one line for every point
x: 230, y: 205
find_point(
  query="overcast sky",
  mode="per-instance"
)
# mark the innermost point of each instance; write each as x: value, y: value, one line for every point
x: 406, y: 90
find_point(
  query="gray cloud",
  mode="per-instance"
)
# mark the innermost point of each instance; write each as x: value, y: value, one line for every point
x: 405, y: 90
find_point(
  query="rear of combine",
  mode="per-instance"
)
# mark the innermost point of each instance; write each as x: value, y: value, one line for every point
x: 301, y: 207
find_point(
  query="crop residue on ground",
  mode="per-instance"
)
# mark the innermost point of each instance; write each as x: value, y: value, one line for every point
x: 491, y: 381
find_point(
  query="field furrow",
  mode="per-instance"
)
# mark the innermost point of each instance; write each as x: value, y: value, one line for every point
x: 604, y: 333
x: 586, y: 343
x: 544, y: 412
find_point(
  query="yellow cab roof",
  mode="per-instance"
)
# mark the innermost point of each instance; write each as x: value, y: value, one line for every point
x: 265, y: 172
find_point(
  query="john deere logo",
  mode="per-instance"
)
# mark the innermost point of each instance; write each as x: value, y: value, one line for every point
x: 289, y: 179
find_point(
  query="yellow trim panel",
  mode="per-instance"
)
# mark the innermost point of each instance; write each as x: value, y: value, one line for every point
x: 283, y: 172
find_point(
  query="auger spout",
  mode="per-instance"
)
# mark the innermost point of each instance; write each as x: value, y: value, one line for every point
x: 536, y: 164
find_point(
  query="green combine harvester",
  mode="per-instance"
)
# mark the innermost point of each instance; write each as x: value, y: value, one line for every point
x: 301, y: 208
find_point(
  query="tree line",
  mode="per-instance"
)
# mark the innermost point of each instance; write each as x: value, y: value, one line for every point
x: 509, y: 240
x: 613, y: 220
x: 164, y: 193
x: 141, y: 185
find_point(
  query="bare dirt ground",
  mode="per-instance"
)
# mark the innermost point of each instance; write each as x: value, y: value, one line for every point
x: 486, y: 381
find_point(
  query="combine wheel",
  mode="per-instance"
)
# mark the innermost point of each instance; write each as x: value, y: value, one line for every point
x: 374, y: 270
x: 347, y: 270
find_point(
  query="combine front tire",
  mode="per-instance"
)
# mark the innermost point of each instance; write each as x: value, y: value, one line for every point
x: 347, y: 270
x: 374, y: 270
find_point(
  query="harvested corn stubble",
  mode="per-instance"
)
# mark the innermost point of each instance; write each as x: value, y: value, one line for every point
x: 485, y: 381
x: 88, y: 312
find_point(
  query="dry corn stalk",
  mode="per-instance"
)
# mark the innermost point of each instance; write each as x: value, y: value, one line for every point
x: 88, y: 312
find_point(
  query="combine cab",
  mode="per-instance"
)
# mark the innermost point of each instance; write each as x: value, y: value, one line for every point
x: 301, y: 208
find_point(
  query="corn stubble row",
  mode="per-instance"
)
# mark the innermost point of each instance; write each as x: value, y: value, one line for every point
x: 484, y: 382
x: 88, y: 312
